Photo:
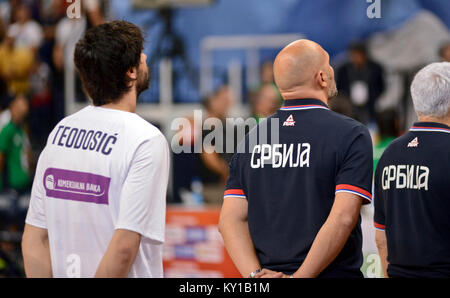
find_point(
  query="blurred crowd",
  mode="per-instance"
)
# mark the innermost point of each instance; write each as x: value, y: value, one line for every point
x: 36, y: 36
x: 361, y: 82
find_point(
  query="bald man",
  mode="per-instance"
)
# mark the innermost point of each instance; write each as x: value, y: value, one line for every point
x: 292, y: 203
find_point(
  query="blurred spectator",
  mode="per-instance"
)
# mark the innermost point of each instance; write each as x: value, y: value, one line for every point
x: 362, y: 80
x: 214, y: 166
x: 388, y: 130
x: 40, y: 105
x: 67, y: 33
x: 16, y: 64
x: 342, y: 105
x: 51, y: 14
x: 444, y: 52
x: 27, y: 32
x: 185, y: 165
x: 15, y: 150
x: 267, y: 73
x: 267, y: 77
x: 266, y: 102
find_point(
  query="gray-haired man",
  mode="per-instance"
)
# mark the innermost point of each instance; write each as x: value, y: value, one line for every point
x: 412, y: 185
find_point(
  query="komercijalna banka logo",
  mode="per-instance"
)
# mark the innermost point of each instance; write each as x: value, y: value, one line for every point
x: 76, y: 186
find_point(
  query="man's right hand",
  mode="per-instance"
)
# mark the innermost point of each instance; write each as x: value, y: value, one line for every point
x: 266, y: 273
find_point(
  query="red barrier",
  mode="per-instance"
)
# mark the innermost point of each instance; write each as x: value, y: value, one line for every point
x: 194, y: 247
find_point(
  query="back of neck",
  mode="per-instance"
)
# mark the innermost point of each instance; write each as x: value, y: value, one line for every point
x: 444, y: 120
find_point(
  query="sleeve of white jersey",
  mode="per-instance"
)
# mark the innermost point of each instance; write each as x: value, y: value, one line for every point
x: 143, y: 197
x: 36, y: 211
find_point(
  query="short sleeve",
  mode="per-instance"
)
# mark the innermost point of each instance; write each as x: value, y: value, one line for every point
x: 378, y: 201
x: 234, y: 187
x: 143, y: 198
x: 355, y: 172
x: 36, y: 212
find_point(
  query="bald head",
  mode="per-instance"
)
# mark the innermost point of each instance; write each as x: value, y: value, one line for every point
x: 299, y: 64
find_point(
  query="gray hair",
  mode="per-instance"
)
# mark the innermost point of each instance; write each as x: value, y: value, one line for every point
x: 430, y: 90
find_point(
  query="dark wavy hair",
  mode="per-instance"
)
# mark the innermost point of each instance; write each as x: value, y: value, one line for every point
x: 103, y: 57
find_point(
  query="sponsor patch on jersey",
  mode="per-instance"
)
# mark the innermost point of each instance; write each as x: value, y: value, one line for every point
x: 76, y: 186
x: 414, y: 143
x: 290, y: 121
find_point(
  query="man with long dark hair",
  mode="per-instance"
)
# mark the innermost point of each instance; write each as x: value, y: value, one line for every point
x: 98, y: 201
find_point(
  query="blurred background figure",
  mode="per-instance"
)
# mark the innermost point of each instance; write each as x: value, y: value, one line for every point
x: 16, y: 64
x: 67, y: 33
x: 388, y: 130
x: 361, y: 79
x: 16, y: 163
x: 267, y: 76
x: 266, y: 101
x: 214, y: 159
x: 342, y: 105
x: 15, y: 150
x: 27, y: 32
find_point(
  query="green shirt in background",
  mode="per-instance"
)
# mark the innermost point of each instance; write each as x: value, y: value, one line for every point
x: 379, y: 149
x: 14, y: 145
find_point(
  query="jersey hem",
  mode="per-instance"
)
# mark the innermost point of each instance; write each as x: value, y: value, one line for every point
x: 234, y: 193
x: 145, y: 235
x: 367, y: 196
x: 379, y: 227
x: 36, y: 225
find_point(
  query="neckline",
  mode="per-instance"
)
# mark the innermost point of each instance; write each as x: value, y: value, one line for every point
x: 303, y: 104
x: 430, y: 127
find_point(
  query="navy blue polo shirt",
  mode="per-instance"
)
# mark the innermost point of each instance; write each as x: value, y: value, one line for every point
x: 290, y: 179
x: 412, y: 202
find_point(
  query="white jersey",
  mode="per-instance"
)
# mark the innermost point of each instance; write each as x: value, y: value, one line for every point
x: 102, y: 170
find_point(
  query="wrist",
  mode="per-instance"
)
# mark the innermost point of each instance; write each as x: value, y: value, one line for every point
x: 254, y: 273
x: 301, y: 274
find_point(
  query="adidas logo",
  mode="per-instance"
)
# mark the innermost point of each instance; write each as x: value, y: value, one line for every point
x: 290, y: 121
x: 414, y: 143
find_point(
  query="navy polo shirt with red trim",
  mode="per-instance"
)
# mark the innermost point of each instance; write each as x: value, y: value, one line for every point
x: 290, y: 168
x: 412, y: 202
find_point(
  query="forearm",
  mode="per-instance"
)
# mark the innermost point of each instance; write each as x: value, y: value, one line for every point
x: 240, y: 247
x: 326, y: 247
x: 384, y: 262
x: 120, y: 255
x: 114, y: 265
x: 382, y: 251
x: 36, y: 257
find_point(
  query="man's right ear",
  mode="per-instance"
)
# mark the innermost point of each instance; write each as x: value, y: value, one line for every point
x: 321, y: 79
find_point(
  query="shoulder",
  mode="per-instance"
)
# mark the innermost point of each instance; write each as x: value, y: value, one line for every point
x: 399, y: 142
x: 138, y: 127
x: 343, y: 125
x: 74, y: 116
x: 142, y: 135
